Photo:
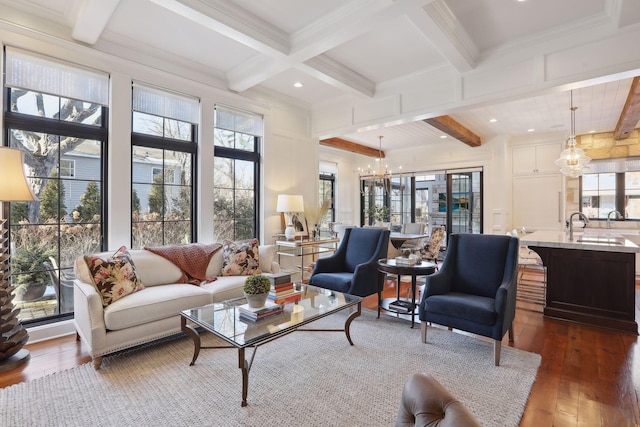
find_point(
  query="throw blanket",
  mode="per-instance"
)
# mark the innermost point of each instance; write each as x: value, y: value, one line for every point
x: 192, y: 259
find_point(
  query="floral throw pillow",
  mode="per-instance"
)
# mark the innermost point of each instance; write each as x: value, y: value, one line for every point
x: 240, y: 258
x: 114, y: 277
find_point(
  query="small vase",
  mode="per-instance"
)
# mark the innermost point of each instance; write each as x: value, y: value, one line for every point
x: 256, y: 300
x: 316, y: 232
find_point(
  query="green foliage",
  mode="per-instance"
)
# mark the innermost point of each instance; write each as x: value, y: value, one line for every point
x: 19, y: 212
x: 135, y: 201
x: 89, y: 206
x: 51, y: 193
x: 181, y: 207
x: 257, y: 284
x: 30, y: 259
x: 379, y: 213
x: 156, y: 197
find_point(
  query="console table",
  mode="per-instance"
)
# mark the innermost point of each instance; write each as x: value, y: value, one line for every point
x: 300, y: 250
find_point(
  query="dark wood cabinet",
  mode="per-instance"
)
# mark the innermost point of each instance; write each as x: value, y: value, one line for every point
x: 590, y: 286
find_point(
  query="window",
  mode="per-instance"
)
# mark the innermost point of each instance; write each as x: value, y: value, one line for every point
x: 611, y: 185
x: 327, y: 190
x: 67, y: 168
x: 48, y: 106
x: 163, y: 155
x: 236, y: 174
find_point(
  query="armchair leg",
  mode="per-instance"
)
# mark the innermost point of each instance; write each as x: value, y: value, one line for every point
x: 379, y: 302
x: 511, y: 333
x: 497, y: 345
x: 423, y: 331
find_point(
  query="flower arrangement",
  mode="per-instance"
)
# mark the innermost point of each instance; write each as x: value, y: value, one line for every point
x: 314, y: 214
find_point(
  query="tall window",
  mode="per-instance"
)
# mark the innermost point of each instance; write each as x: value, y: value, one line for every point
x: 55, y: 112
x: 327, y: 190
x: 611, y: 185
x: 163, y: 155
x: 236, y: 174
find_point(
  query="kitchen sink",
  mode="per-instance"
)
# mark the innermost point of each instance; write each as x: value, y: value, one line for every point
x: 601, y: 240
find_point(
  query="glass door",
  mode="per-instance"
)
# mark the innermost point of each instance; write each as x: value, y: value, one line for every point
x: 464, y: 202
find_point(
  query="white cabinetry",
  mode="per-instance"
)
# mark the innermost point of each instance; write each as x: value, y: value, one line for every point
x: 537, y: 187
x: 535, y: 159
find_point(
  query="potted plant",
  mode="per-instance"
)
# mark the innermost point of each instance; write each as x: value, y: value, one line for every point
x: 256, y: 289
x: 30, y: 278
x: 379, y: 213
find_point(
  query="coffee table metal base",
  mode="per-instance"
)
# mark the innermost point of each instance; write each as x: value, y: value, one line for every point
x: 243, y: 363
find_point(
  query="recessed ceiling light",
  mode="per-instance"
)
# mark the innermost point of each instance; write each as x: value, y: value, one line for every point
x: 443, y: 136
x: 493, y: 120
x: 297, y: 84
x: 592, y: 131
x: 530, y: 130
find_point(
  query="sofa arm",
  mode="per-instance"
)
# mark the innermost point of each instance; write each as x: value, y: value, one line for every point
x: 89, y: 316
x: 275, y: 267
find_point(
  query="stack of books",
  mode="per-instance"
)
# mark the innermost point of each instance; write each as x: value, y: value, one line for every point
x: 254, y: 314
x: 401, y: 306
x: 284, y: 293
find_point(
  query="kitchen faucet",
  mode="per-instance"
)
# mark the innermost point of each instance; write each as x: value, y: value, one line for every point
x: 618, y: 216
x: 581, y: 216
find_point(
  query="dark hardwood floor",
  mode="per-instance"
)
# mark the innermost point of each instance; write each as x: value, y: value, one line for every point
x: 588, y: 376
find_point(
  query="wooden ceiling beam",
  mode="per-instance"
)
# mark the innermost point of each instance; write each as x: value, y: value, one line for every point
x: 452, y: 128
x: 354, y: 147
x: 630, y: 115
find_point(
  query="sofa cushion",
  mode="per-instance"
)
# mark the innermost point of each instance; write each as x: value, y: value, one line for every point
x: 240, y: 258
x: 154, y: 303
x: 153, y: 269
x: 114, y: 277
x: 225, y: 287
x: 267, y: 257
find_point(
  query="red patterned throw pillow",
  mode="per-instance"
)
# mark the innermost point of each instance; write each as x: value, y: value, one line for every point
x: 114, y: 277
x: 240, y: 258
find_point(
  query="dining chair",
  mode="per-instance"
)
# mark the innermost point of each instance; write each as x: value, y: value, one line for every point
x: 413, y: 228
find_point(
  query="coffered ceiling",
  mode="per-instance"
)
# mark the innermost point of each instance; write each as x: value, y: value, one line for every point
x: 350, y: 49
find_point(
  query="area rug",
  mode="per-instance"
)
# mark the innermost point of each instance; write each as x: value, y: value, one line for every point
x: 302, y: 379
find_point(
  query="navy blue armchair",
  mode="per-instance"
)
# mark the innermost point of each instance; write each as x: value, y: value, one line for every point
x: 475, y: 288
x: 353, y: 268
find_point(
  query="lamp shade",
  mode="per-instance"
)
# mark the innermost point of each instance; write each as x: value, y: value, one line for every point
x: 290, y: 203
x: 13, y: 183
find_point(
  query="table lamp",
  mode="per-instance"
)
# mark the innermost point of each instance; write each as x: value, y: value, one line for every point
x: 13, y: 188
x: 289, y: 204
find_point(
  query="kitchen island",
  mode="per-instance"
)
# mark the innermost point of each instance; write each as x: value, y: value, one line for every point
x: 590, y: 279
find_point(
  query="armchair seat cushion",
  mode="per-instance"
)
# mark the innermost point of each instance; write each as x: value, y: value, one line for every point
x: 339, y: 281
x: 468, y: 307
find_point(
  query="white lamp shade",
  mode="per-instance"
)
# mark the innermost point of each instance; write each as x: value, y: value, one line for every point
x: 13, y: 183
x: 290, y: 203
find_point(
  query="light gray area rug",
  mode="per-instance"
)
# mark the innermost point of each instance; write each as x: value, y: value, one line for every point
x: 302, y: 379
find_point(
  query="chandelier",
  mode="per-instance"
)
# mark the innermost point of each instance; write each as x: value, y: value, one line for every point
x: 379, y: 177
x: 573, y: 161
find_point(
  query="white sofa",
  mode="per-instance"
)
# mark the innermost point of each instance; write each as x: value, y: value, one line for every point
x: 152, y: 312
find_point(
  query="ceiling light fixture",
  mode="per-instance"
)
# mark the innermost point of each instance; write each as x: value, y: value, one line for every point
x: 530, y: 130
x: 443, y: 136
x: 493, y: 120
x: 380, y: 178
x: 297, y: 84
x: 573, y: 162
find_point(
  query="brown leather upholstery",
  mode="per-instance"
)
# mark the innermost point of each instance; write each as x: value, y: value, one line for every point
x: 425, y: 402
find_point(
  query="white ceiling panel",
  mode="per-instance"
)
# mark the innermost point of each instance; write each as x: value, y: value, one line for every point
x: 311, y: 92
x: 492, y: 23
x: 396, y: 50
x: 177, y: 35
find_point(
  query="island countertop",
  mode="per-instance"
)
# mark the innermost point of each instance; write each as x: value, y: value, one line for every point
x: 590, y: 240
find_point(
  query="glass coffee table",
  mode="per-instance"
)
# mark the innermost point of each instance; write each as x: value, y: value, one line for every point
x: 223, y: 320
